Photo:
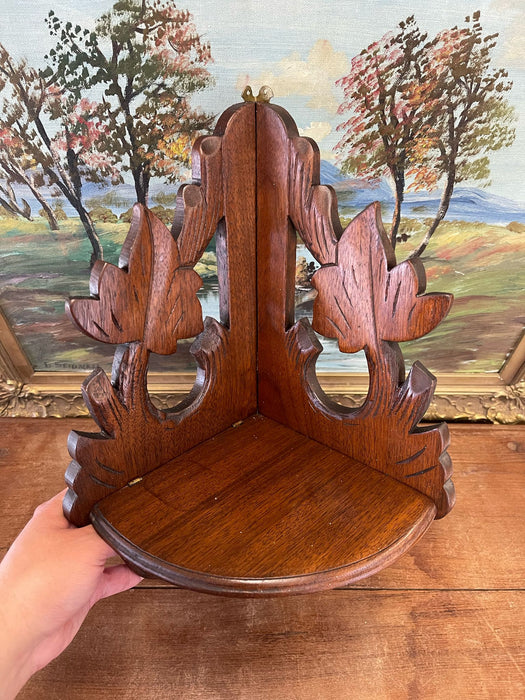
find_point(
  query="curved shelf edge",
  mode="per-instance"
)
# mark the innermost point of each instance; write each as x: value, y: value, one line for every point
x: 260, y: 509
x: 153, y: 567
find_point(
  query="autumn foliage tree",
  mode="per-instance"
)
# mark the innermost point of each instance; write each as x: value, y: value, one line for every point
x: 147, y: 60
x: 16, y: 158
x: 48, y: 140
x: 384, y: 95
x: 12, y: 172
x: 471, y: 118
x: 426, y: 112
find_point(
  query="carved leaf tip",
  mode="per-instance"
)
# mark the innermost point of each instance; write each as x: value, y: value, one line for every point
x: 414, y: 395
x: 365, y: 298
x: 150, y: 297
x: 138, y: 221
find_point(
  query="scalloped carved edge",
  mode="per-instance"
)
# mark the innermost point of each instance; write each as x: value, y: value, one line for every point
x: 117, y: 406
x: 313, y: 207
x: 93, y: 471
x: 392, y: 423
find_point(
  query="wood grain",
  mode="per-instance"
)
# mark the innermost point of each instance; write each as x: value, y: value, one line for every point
x: 364, y: 300
x: 260, y: 509
x: 481, y: 545
x: 125, y: 307
x: 446, y: 619
x: 135, y: 437
x: 255, y: 181
x: 336, y: 645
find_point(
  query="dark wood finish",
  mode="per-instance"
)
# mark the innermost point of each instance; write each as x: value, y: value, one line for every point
x: 140, y: 304
x: 260, y: 508
x: 371, y: 470
x: 480, y: 545
x: 127, y: 307
x: 364, y: 300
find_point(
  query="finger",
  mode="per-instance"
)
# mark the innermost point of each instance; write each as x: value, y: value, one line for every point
x: 117, y: 579
x: 88, y: 538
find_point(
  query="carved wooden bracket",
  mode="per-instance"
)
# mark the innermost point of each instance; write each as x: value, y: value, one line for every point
x: 364, y: 300
x: 256, y: 185
x: 149, y: 302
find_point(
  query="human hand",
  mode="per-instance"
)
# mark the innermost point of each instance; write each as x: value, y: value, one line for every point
x: 49, y: 579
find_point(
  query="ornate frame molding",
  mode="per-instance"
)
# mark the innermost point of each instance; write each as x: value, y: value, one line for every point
x: 458, y: 398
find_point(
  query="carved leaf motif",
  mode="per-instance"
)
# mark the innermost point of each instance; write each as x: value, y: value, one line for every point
x: 149, y: 297
x: 364, y: 298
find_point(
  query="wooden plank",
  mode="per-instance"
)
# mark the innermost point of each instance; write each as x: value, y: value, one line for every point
x: 337, y: 645
x: 480, y: 545
x: 33, y: 459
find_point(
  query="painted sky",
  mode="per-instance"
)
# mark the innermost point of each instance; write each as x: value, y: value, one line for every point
x: 300, y: 47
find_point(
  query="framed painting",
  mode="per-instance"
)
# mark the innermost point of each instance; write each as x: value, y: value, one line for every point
x: 418, y: 107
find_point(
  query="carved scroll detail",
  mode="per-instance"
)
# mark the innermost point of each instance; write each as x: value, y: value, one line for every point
x: 368, y: 302
x: 145, y: 305
x: 313, y: 207
x: 197, y: 211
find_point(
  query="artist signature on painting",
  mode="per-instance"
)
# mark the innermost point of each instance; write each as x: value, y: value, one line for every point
x: 67, y: 365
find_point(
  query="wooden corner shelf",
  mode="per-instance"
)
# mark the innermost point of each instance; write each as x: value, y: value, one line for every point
x: 258, y: 483
x: 261, y: 509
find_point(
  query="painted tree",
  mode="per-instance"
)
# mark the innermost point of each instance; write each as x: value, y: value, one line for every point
x: 148, y: 60
x: 12, y: 172
x: 472, y: 117
x: 16, y: 162
x: 385, y: 94
x: 425, y: 112
x: 60, y: 159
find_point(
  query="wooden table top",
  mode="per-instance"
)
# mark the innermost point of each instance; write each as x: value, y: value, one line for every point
x: 446, y: 620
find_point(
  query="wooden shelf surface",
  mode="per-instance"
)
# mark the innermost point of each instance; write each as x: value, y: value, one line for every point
x: 260, y: 509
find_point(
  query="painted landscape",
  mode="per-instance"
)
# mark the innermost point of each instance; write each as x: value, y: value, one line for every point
x: 416, y: 119
x: 480, y: 263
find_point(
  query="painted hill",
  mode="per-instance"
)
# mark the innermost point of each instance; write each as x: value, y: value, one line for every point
x: 467, y: 204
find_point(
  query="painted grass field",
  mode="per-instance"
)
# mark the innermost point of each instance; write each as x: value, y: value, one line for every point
x: 482, y: 265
